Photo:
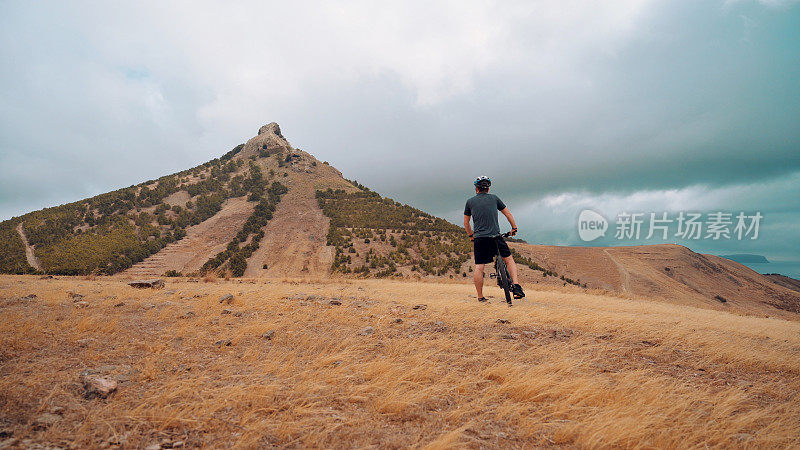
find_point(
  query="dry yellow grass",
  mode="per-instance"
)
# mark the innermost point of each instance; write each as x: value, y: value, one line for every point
x: 569, y: 369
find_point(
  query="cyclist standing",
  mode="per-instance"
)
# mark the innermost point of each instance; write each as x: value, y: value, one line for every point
x: 482, y: 209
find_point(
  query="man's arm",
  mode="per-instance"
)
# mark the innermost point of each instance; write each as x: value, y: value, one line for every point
x: 507, y: 212
x: 466, y: 226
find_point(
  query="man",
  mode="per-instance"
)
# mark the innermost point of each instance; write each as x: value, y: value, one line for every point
x: 482, y: 209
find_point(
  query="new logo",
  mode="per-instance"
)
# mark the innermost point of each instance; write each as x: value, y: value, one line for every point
x: 591, y: 225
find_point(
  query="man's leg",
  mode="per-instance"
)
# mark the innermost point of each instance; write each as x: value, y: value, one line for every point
x: 512, y: 268
x: 477, y: 277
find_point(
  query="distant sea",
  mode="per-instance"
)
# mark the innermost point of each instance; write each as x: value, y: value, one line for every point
x: 788, y: 268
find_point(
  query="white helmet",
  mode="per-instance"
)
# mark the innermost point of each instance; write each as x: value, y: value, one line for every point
x: 482, y: 182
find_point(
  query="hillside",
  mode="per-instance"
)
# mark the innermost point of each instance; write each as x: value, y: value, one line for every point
x: 670, y: 272
x: 787, y: 282
x: 355, y: 363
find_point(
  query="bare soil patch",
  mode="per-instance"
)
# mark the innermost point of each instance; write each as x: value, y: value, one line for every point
x: 201, y: 242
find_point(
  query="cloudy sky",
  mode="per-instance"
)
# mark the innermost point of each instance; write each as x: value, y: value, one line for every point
x: 629, y: 105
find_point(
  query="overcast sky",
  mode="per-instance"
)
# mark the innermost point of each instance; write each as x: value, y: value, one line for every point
x: 615, y: 106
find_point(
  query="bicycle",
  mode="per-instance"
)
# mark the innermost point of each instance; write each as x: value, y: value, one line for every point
x: 501, y: 271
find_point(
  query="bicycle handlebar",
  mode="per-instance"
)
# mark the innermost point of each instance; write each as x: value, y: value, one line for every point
x: 504, y: 235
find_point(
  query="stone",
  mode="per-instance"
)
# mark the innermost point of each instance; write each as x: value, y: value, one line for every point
x: 335, y: 302
x: 187, y: 315
x: 226, y: 311
x: 398, y: 320
x: 95, y: 386
x: 420, y: 306
x: 30, y: 297
x: 268, y: 335
x: 529, y: 334
x: 503, y: 321
x: 155, y: 446
x: 74, y: 296
x: 227, y: 299
x: 144, y: 284
x: 367, y: 331
x: 117, y: 305
x: 509, y: 336
x: 223, y: 343
x: 178, y: 444
x: 238, y: 314
x: 82, y: 304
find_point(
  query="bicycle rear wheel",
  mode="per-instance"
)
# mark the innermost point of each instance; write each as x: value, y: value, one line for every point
x: 503, y: 278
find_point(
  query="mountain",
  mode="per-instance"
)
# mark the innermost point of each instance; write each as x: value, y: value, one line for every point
x: 746, y: 258
x: 267, y: 209
x: 262, y: 209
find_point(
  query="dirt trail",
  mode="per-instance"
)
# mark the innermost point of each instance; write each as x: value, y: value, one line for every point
x: 294, y: 240
x: 202, y: 242
x: 29, y: 253
x: 624, y: 275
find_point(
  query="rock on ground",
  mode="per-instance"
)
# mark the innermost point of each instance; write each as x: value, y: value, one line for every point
x: 143, y: 284
x: 95, y: 386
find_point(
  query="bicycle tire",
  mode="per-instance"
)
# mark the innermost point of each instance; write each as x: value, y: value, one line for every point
x: 502, y: 275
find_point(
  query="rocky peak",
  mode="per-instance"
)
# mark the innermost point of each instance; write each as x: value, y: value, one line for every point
x: 271, y: 128
x: 269, y: 136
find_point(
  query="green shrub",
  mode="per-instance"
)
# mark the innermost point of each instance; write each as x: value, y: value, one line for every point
x: 12, y: 249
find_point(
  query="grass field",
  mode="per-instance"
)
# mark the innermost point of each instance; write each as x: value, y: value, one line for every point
x: 283, y: 366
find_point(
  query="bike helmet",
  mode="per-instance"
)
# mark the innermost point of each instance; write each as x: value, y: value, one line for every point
x: 482, y: 182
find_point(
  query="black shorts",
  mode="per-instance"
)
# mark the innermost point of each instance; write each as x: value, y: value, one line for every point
x: 485, y: 249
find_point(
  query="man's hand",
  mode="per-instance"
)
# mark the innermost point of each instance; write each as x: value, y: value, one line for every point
x: 468, y: 228
x: 507, y: 212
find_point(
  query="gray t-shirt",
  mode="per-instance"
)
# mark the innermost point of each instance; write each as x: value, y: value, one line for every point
x: 483, y: 209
